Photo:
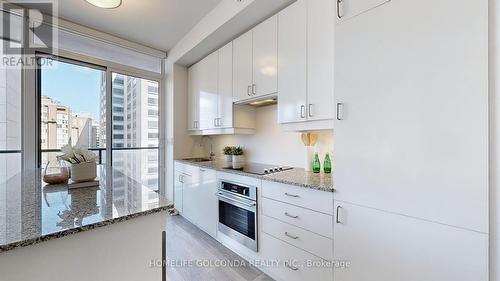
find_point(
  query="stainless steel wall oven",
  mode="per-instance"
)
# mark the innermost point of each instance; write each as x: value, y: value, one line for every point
x: 238, y: 213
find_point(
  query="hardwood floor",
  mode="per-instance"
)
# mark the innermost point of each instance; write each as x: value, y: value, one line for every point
x: 188, y: 244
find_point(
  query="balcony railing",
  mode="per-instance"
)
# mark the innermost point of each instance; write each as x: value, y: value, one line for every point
x: 98, y: 150
x: 136, y: 162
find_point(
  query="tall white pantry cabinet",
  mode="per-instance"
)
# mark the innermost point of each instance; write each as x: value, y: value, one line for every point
x: 411, y: 140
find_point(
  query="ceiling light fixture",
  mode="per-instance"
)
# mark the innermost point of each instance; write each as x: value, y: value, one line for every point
x: 105, y: 4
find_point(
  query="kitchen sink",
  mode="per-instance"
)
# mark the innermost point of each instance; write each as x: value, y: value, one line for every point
x: 197, y: 159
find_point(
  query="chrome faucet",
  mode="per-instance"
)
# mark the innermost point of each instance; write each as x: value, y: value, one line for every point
x: 211, y: 155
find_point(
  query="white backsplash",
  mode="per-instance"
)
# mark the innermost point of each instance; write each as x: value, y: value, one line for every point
x: 270, y: 144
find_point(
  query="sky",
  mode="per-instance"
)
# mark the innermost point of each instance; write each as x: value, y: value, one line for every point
x: 75, y: 86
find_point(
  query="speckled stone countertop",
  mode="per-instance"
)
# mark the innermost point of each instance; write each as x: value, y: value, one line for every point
x: 295, y: 176
x: 32, y: 212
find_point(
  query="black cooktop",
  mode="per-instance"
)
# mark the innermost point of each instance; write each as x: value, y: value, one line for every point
x: 260, y: 169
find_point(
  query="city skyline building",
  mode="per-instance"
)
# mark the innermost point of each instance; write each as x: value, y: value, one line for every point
x: 60, y: 126
x: 134, y: 125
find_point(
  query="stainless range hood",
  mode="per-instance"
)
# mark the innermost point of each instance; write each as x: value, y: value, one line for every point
x: 259, y: 101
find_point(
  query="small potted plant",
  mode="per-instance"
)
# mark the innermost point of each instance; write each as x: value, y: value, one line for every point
x: 228, y: 153
x: 83, y: 162
x: 238, y: 158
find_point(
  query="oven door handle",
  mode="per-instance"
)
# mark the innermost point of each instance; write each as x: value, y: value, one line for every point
x: 222, y: 196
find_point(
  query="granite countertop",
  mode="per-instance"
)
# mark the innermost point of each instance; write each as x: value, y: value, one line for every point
x: 32, y: 212
x: 295, y: 176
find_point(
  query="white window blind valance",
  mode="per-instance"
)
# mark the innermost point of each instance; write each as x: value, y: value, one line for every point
x: 82, y: 43
x: 97, y: 48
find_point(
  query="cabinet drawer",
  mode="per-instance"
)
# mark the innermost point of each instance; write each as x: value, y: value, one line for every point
x: 316, y: 200
x: 285, y: 254
x: 301, y: 238
x: 313, y: 221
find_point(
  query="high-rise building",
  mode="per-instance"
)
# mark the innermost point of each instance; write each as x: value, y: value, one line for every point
x: 59, y: 125
x: 135, y: 124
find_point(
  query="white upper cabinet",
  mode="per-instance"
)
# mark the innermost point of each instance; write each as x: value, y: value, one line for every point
x: 225, y: 99
x: 193, y: 97
x: 413, y: 134
x: 265, y: 61
x: 255, y: 61
x: 349, y: 8
x: 306, y: 63
x: 210, y: 106
x: 391, y: 247
x: 208, y: 92
x: 292, y: 63
x: 242, y: 66
x: 320, y: 59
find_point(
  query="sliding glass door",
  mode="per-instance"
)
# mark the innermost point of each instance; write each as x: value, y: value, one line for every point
x: 120, y: 121
x: 10, y: 119
x: 135, y: 128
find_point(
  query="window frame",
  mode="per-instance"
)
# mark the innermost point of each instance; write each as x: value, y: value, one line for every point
x: 32, y: 83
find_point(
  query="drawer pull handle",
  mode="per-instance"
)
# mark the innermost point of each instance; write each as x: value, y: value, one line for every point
x: 287, y: 264
x: 291, y: 236
x: 291, y: 216
x: 337, y: 219
x: 291, y: 195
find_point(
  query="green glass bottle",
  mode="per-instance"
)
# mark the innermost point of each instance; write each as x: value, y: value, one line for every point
x: 327, y: 165
x: 316, y: 164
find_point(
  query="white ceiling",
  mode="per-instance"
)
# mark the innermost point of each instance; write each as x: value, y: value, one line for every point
x: 155, y: 23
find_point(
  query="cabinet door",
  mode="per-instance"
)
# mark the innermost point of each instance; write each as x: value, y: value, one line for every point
x: 414, y: 134
x: 207, y: 202
x: 292, y: 46
x: 349, y: 8
x: 225, y: 101
x: 178, y: 182
x: 208, y: 90
x: 320, y: 63
x: 189, y: 199
x: 265, y: 57
x: 242, y: 66
x: 391, y: 247
x: 193, y: 97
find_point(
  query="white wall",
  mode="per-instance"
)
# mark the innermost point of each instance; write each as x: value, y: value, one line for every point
x: 270, y: 144
x: 494, y: 140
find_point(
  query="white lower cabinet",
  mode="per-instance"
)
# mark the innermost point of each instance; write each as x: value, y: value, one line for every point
x: 390, y: 247
x: 195, y: 196
x: 308, y: 241
x: 207, y: 201
x: 313, y: 221
x: 179, y: 180
x: 297, y: 232
x: 293, y: 264
x: 189, y: 200
x: 317, y: 200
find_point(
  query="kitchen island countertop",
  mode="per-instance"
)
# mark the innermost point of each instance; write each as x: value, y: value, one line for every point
x: 32, y: 212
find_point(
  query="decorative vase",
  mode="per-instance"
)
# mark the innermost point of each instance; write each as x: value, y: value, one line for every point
x: 82, y: 172
x: 238, y: 161
x: 228, y: 158
x: 55, y: 172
